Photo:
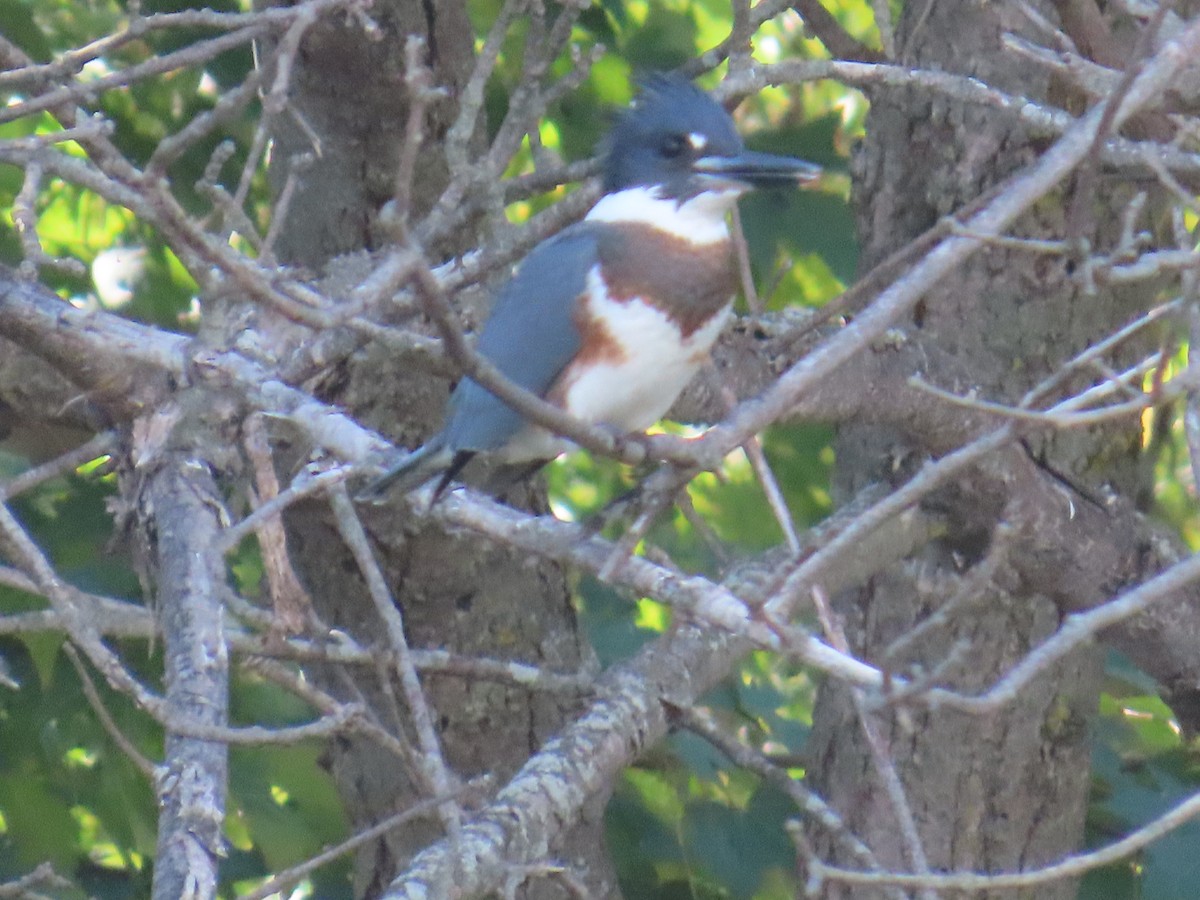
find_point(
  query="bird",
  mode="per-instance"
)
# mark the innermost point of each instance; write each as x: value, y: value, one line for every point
x: 612, y: 317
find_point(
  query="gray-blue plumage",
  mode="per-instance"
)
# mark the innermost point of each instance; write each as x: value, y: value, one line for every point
x: 530, y: 336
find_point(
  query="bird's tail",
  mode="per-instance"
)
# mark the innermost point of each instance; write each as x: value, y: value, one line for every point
x: 410, y: 470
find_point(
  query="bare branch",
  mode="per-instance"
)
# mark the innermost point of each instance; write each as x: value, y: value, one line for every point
x: 1020, y: 193
x: 100, y: 445
x: 277, y: 884
x: 437, y: 774
x: 694, y: 597
x: 829, y: 31
x: 880, y: 753
x: 700, y: 721
x: 1076, y: 630
x: 43, y: 876
x: 1071, y: 867
x: 192, y: 786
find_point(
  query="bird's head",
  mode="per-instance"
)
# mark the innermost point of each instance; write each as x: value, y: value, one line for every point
x: 677, y: 140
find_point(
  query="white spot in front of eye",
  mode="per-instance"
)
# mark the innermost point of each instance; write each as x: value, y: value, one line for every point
x: 697, y: 140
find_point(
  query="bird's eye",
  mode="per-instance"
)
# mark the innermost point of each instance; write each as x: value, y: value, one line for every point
x: 674, y: 146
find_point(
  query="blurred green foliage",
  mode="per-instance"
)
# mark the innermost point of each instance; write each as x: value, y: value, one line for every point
x: 1142, y: 767
x: 684, y: 822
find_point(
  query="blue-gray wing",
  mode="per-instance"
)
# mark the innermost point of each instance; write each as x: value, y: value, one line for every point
x: 530, y: 336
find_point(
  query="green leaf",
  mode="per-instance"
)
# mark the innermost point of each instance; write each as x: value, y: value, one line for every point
x: 641, y: 842
x: 44, y: 650
x: 609, y: 619
x: 701, y: 758
x: 288, y: 803
x: 738, y: 847
x: 39, y: 818
x: 1115, y: 882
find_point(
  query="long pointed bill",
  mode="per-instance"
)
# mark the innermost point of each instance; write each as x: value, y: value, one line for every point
x: 758, y: 169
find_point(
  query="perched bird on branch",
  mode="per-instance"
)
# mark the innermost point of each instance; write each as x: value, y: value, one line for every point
x: 610, y: 319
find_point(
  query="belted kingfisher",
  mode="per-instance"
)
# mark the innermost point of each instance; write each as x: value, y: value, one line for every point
x: 612, y: 317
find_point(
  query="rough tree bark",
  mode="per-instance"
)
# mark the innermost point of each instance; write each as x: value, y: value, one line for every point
x: 183, y: 512
x: 1008, y: 790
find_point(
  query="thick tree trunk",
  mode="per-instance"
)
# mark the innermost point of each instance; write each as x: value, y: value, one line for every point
x: 1006, y: 791
x: 340, y: 133
x: 456, y: 592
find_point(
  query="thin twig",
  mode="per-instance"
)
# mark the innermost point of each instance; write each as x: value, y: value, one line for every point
x: 44, y: 875
x: 303, y: 485
x: 1075, y: 630
x: 1071, y: 867
x: 99, y: 445
x: 434, y: 769
x: 880, y: 753
x: 356, y: 715
x: 124, y: 744
x: 278, y: 884
x: 840, y: 43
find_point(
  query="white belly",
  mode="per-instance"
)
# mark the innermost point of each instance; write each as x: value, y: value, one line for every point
x: 634, y: 392
x: 631, y: 389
